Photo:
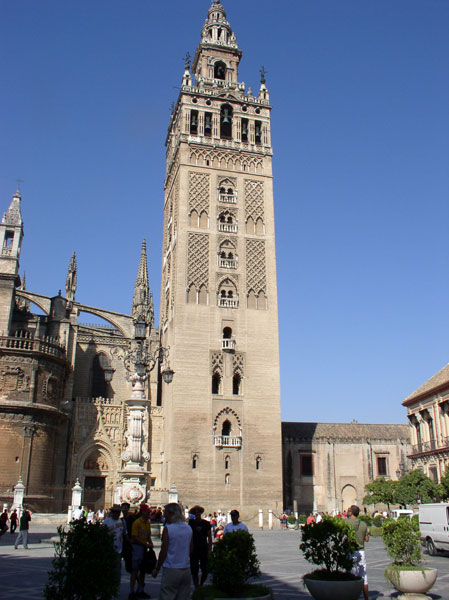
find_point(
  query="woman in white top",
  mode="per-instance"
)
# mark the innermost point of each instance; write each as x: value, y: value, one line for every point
x: 175, y: 555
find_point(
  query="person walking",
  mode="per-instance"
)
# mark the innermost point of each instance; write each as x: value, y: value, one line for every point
x: 175, y: 555
x: 201, y: 543
x: 235, y: 524
x: 24, y: 527
x: 116, y: 527
x: 141, y: 541
x: 361, y: 536
x: 13, y: 520
x: 4, y: 522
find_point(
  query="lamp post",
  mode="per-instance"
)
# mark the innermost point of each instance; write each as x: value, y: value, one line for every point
x: 141, y: 361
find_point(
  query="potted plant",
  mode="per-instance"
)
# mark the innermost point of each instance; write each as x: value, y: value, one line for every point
x: 329, y: 544
x: 232, y: 564
x: 406, y: 574
x: 291, y: 522
x: 84, y: 565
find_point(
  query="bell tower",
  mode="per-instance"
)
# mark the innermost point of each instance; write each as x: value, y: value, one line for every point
x: 221, y: 415
x: 11, y: 235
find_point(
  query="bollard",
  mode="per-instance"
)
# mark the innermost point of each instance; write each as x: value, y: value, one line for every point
x: 260, y: 518
x: 270, y: 519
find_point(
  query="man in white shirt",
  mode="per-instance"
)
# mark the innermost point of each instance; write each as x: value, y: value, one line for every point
x: 78, y: 513
x: 116, y: 528
x: 235, y: 524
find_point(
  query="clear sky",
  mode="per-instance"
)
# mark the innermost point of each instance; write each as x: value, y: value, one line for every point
x: 360, y: 132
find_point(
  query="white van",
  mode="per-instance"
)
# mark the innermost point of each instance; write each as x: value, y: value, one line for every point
x: 434, y: 526
x: 401, y: 512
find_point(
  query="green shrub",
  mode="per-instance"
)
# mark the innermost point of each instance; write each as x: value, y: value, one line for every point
x: 378, y: 521
x: 329, y: 543
x: 233, y: 562
x: 84, y: 566
x: 402, y: 541
x: 366, y: 519
x: 415, y: 521
x: 375, y: 531
x: 291, y: 519
x: 302, y: 519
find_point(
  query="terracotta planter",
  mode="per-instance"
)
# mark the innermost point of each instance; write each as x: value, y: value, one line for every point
x: 334, y: 590
x: 413, y: 584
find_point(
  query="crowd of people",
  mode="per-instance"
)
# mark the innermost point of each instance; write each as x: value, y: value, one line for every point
x: 13, y: 519
x: 185, y: 546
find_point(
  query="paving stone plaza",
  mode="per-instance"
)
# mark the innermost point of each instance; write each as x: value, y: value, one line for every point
x: 25, y: 571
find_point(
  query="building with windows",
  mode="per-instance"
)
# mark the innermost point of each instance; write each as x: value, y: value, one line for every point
x: 72, y: 405
x: 327, y: 465
x: 428, y: 415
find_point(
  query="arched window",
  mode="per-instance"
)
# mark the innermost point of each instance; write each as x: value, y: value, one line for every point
x: 226, y: 121
x: 202, y: 295
x: 216, y: 381
x: 226, y: 428
x: 100, y: 387
x: 227, y: 462
x: 227, y: 479
x: 194, y: 461
x: 227, y: 333
x: 220, y: 70
x: 258, y: 463
x: 236, y: 384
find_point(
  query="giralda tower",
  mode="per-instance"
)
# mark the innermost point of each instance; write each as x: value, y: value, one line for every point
x: 220, y: 442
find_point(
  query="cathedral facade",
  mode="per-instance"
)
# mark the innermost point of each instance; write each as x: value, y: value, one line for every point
x: 73, y: 404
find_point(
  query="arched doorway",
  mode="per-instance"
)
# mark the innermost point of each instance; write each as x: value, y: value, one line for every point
x: 96, y: 470
x: 348, y: 496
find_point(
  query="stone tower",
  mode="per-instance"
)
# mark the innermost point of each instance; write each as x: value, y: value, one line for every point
x: 11, y: 235
x: 222, y: 432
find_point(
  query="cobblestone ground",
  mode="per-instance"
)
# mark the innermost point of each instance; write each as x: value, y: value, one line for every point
x: 24, y: 572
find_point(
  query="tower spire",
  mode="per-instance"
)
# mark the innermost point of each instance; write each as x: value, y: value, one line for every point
x: 70, y: 282
x: 142, y: 307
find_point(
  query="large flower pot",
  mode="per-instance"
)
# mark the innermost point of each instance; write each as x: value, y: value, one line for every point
x: 334, y: 590
x: 413, y: 584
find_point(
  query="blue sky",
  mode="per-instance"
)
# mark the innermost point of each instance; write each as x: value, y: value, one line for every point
x: 361, y: 140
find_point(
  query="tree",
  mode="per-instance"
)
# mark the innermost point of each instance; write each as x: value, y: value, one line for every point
x: 380, y: 491
x: 408, y: 488
x: 445, y: 484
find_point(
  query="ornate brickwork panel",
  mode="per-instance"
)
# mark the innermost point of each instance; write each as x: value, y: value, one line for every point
x: 226, y: 238
x: 198, y: 260
x: 224, y: 159
x: 256, y: 277
x: 199, y: 192
x: 238, y: 364
x: 217, y: 363
x: 254, y: 205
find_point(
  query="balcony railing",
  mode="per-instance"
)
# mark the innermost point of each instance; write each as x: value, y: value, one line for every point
x: 429, y: 446
x: 227, y: 198
x: 228, y: 227
x: 228, y: 345
x: 228, y: 302
x: 6, y: 250
x: 227, y: 441
x: 24, y: 341
x: 227, y: 263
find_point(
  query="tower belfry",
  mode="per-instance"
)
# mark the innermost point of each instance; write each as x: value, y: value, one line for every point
x: 222, y: 436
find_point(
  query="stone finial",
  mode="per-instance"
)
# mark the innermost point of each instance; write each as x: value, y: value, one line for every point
x: 13, y: 216
x: 70, y: 282
x: 142, y: 309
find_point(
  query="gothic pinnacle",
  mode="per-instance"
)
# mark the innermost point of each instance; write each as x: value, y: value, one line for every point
x: 70, y: 282
x: 141, y: 308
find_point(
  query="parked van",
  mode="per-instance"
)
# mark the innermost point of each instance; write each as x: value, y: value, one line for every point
x: 434, y: 526
x: 401, y: 512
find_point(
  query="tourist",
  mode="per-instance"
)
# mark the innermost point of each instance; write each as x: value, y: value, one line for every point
x: 283, y: 521
x: 100, y: 514
x: 128, y: 520
x: 235, y: 524
x: 3, y: 522
x: 201, y: 545
x: 141, y: 541
x: 78, y: 514
x: 116, y: 527
x: 90, y: 516
x: 23, y: 530
x: 361, y: 536
x: 13, y: 520
x: 213, y: 523
x: 310, y: 519
x: 318, y: 518
x: 175, y: 555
